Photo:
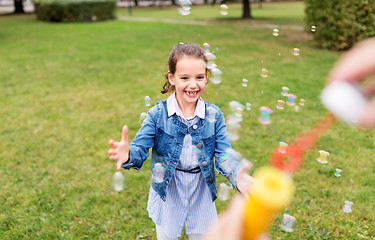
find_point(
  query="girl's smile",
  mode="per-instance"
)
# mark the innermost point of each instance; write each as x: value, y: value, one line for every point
x: 189, y: 81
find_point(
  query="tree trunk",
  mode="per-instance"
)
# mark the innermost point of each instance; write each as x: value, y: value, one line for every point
x: 246, y: 9
x: 136, y: 3
x: 18, y: 6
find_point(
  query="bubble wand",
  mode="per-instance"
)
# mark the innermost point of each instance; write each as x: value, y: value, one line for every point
x: 273, y: 189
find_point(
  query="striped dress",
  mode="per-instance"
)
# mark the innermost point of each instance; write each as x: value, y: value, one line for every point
x: 188, y: 202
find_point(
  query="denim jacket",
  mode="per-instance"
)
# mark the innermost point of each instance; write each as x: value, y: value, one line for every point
x: 165, y: 136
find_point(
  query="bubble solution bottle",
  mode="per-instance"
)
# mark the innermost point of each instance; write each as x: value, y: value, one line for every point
x: 272, y: 191
x: 118, y: 181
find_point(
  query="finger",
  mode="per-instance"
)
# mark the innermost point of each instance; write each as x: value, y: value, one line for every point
x: 368, y: 120
x: 113, y: 157
x: 112, y: 143
x: 124, y: 136
x: 111, y: 151
x: 356, y: 63
x: 244, y: 168
x: 118, y: 165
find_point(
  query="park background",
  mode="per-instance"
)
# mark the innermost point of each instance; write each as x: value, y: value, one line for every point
x: 67, y: 88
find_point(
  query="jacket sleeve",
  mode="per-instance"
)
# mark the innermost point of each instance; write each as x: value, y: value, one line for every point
x: 222, y: 144
x: 143, y: 141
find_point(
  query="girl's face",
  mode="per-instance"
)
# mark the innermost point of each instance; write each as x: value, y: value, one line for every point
x: 189, y: 79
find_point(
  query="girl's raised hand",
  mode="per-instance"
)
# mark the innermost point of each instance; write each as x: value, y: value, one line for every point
x: 119, y: 151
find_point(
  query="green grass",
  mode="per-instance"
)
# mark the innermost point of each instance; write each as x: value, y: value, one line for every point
x: 66, y: 89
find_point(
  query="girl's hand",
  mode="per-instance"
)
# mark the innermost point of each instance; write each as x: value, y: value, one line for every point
x: 120, y: 150
x: 244, y: 180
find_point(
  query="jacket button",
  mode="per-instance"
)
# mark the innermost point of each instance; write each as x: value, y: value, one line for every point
x: 211, y: 180
x: 199, y: 145
x: 195, y: 126
x: 204, y: 163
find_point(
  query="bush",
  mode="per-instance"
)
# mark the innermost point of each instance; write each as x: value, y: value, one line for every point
x: 74, y: 10
x: 340, y: 23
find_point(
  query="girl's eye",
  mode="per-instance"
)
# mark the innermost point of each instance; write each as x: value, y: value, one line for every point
x: 184, y: 78
x: 200, y: 77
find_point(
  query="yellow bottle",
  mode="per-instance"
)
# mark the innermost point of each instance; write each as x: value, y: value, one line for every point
x: 271, y: 192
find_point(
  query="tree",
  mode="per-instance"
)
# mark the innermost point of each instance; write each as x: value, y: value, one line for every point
x: 18, y: 6
x: 246, y: 13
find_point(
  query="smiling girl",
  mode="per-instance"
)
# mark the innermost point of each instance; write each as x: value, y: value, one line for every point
x: 184, y: 144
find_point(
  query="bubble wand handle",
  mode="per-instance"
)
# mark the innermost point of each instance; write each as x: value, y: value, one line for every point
x: 272, y: 191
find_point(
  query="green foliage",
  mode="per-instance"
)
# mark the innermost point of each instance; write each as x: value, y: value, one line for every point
x: 340, y: 24
x: 75, y: 11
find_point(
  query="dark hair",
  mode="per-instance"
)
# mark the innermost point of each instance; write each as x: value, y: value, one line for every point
x: 178, y: 51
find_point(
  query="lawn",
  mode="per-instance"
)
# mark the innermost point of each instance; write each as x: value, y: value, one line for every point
x: 66, y: 89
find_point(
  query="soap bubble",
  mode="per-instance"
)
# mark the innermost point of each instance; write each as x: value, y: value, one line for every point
x: 296, y: 51
x: 158, y: 173
x: 323, y: 157
x: 244, y: 82
x: 348, y: 206
x: 185, y: 7
x: 210, y: 60
x: 206, y: 47
x: 338, y: 172
x: 275, y: 32
x: 284, y: 91
x: 142, y: 118
x: 196, y: 154
x: 248, y: 106
x: 236, y: 108
x: 265, y: 115
x: 233, y: 128
x: 118, y: 181
x: 216, y: 75
x: 313, y: 28
x: 282, y: 147
x: 224, y: 190
x: 264, y: 73
x: 291, y: 99
x: 301, y: 101
x: 287, y: 223
x: 147, y: 101
x: 224, y: 9
x: 280, y: 104
x: 228, y: 160
x: 211, y: 114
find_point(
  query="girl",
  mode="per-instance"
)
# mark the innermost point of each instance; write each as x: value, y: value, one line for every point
x: 184, y: 144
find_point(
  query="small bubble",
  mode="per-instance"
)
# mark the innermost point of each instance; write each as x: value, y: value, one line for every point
x: 296, y: 51
x: 224, y: 9
x: 248, y: 106
x: 265, y: 115
x: 118, y: 181
x: 275, y: 32
x: 338, y: 172
x: 216, y: 75
x: 244, y: 82
x: 284, y: 91
x: 280, y: 104
x: 348, y: 206
x: 264, y: 73
x: 291, y: 101
x: 224, y: 190
x: 302, y: 102
x: 142, y: 118
x: 282, y: 147
x: 158, y: 173
x: 195, y: 155
x: 313, y: 28
x: 210, y: 114
x: 323, y: 157
x: 206, y: 47
x: 147, y: 101
x: 287, y: 223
